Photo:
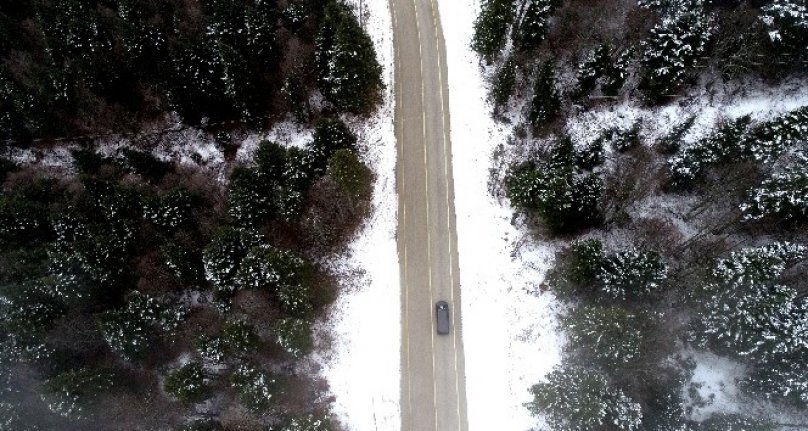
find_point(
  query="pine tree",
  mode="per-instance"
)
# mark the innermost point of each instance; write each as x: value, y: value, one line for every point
x: 592, y: 67
x: 673, y: 49
x: 70, y: 393
x: 504, y: 82
x: 734, y: 422
x: 783, y: 380
x: 491, y: 28
x: 222, y: 257
x: 788, y: 24
x: 748, y: 313
x: 546, y: 102
x: 350, y: 174
x: 783, y: 195
x: 611, y: 336
x: 350, y: 74
x: 578, y: 399
x: 187, y: 383
x: 258, y: 389
x: 534, y: 23
x: 307, y: 423
x: 294, y: 336
x: 132, y: 330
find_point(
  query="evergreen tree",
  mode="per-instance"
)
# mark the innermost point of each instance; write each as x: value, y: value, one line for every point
x: 71, y: 393
x: 350, y: 174
x: 611, y: 336
x: 187, y: 383
x: 504, y: 82
x: 748, y: 313
x: 673, y: 49
x: 546, y: 102
x: 783, y: 380
x: 258, y: 389
x: 132, y: 330
x: 783, y: 195
x: 491, y: 28
x: 266, y: 267
x: 222, y: 257
x: 566, y: 202
x: 294, y: 336
x: 307, y: 423
x: 330, y: 136
x: 632, y: 273
x: 788, y: 24
x: 579, y: 399
x: 534, y: 22
x: 350, y: 74
x: 593, y: 66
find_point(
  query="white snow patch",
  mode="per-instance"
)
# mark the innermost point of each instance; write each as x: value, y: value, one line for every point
x: 286, y: 133
x: 364, y: 369
x: 714, y: 388
x: 509, y: 329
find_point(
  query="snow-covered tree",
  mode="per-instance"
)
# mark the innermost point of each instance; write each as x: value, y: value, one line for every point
x: 673, y: 48
x: 172, y: 210
x: 293, y: 335
x: 491, y: 28
x: 545, y: 103
x: 734, y: 422
x: 617, y: 73
x: 266, y: 267
x: 787, y: 21
x: 258, y: 389
x: 203, y: 425
x: 350, y: 74
x: 534, y: 22
x: 187, y: 383
x: 132, y: 330
x: 222, y: 257
x: 307, y: 423
x: 330, y: 135
x: 239, y: 337
x: 566, y: 201
x: 611, y: 336
x: 592, y: 67
x: 785, y: 379
x: 504, y: 81
x: 632, y: 273
x: 10, y: 419
x: 590, y: 156
x: 353, y: 176
x: 747, y: 312
x: 578, y: 399
x: 720, y: 146
x: 70, y: 393
x: 626, y: 139
x: 251, y: 198
x: 784, y: 195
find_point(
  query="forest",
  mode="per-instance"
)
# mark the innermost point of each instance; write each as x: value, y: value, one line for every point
x: 678, y: 214
x: 141, y: 291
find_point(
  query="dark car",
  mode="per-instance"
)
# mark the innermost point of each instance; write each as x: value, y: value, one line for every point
x: 442, y: 315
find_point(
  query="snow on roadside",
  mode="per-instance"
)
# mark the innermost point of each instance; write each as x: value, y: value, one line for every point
x: 509, y: 328
x: 363, y: 366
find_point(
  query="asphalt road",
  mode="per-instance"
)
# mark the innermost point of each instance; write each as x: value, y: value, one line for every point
x: 433, y: 374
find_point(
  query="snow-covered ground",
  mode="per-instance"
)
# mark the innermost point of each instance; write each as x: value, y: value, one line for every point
x: 509, y: 327
x: 364, y: 324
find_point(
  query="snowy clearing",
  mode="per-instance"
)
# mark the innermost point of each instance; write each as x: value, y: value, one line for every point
x: 364, y: 323
x: 509, y: 327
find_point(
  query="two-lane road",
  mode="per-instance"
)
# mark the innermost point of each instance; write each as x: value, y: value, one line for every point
x: 433, y: 376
